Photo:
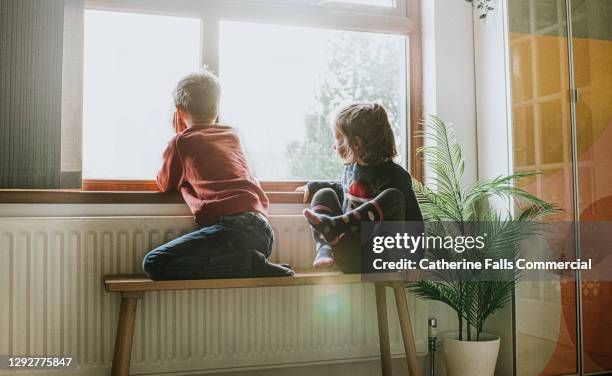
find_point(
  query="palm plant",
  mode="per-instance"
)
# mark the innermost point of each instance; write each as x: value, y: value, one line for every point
x: 448, y: 207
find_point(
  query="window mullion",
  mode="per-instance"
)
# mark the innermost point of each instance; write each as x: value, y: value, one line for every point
x: 405, y: 123
x: 210, y: 40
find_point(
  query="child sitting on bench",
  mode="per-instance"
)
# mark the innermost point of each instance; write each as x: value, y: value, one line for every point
x: 205, y: 162
x: 373, y: 188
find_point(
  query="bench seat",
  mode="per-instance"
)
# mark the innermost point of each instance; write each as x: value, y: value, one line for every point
x: 133, y: 287
x: 124, y: 283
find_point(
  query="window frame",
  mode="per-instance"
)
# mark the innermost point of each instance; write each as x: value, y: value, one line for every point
x: 151, y: 185
x: 401, y: 19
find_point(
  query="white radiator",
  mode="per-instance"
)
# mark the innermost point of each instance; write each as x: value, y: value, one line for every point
x: 52, y: 301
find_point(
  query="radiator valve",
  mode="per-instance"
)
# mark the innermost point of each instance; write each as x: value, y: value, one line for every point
x: 432, y: 324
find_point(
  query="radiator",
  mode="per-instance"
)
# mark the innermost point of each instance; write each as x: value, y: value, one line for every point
x: 52, y: 301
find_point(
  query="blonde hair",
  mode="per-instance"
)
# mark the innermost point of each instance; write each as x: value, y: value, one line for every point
x: 368, y: 136
x: 199, y: 94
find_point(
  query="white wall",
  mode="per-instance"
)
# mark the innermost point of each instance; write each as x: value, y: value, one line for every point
x: 448, y: 72
x: 465, y: 83
x: 449, y: 93
x: 492, y: 94
x: 494, y: 135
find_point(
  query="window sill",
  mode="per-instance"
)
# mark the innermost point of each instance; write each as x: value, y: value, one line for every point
x: 61, y: 196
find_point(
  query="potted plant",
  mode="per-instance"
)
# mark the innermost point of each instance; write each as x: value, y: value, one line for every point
x: 448, y: 207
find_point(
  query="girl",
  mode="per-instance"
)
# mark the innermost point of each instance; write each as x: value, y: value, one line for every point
x: 373, y: 187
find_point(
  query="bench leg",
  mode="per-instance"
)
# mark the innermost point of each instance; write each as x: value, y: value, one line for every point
x: 407, y: 335
x: 125, y: 333
x: 383, y: 330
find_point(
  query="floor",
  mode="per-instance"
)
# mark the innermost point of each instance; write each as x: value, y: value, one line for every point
x: 359, y: 368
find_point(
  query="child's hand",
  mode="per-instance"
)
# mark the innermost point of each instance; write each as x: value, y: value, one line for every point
x: 304, y: 189
x: 177, y: 124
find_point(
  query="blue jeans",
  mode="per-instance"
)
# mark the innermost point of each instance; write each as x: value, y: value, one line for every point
x: 231, y: 248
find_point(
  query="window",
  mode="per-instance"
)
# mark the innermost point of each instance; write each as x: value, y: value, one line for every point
x: 283, y: 74
x: 282, y: 83
x: 132, y: 63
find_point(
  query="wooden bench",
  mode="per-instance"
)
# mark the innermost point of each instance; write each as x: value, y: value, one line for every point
x: 133, y: 287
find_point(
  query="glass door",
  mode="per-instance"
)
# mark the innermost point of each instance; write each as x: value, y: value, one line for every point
x: 562, y: 127
x: 546, y: 311
x: 591, y: 31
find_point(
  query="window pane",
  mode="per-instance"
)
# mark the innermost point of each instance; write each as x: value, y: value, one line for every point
x: 132, y: 63
x: 281, y: 83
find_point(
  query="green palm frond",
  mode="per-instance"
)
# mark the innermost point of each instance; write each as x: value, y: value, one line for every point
x: 502, y: 187
x: 445, y: 159
x: 438, y: 292
x: 534, y: 212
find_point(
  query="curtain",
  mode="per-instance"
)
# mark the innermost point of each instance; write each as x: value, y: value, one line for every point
x: 40, y: 93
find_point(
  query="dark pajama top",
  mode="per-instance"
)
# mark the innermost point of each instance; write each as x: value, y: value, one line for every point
x: 363, y: 183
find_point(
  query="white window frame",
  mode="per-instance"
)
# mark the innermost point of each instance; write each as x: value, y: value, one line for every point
x: 326, y: 14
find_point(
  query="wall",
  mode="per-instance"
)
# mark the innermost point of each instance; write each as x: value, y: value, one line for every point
x: 465, y: 76
x: 448, y: 82
x: 493, y: 138
x: 448, y: 62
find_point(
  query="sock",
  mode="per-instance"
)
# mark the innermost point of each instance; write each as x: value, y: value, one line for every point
x: 324, y: 258
x: 332, y: 228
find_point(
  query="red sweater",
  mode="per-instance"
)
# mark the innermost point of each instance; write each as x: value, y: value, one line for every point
x: 207, y: 165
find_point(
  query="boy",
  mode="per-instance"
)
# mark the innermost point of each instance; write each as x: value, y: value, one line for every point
x: 205, y: 162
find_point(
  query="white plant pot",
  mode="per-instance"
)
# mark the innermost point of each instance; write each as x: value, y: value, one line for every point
x: 469, y: 358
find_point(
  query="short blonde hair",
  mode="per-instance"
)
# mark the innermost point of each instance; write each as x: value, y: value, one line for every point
x: 368, y: 136
x: 199, y: 94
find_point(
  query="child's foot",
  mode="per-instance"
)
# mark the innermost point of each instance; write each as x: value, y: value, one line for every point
x: 324, y: 224
x: 324, y: 258
x: 270, y: 269
x: 264, y: 268
x: 323, y: 263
